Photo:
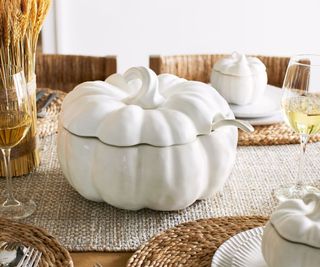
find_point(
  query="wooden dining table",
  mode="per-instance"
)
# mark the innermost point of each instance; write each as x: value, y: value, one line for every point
x: 105, y: 259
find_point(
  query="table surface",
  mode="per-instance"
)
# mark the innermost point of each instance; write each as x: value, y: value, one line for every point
x: 106, y: 259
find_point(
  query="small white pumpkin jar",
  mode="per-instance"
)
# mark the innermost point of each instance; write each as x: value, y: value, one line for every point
x: 239, y: 79
x: 140, y: 140
x: 292, y: 236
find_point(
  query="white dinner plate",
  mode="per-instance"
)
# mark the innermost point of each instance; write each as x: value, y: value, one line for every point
x: 225, y: 253
x: 249, y: 254
x: 268, y: 105
x: 277, y: 118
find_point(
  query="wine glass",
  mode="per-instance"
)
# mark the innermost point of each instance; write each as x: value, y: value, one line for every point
x: 301, y: 110
x: 15, y: 121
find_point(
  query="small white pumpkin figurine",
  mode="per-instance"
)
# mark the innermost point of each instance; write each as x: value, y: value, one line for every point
x: 140, y: 140
x: 239, y: 79
x: 292, y: 236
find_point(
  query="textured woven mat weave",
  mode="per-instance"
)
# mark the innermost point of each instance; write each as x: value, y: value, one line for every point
x: 275, y: 134
x: 191, y: 244
x: 82, y: 225
x: 53, y: 254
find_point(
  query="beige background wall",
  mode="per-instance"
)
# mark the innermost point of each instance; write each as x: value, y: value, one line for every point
x: 133, y: 29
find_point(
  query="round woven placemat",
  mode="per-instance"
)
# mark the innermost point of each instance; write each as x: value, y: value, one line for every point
x: 274, y: 134
x: 49, y: 124
x: 193, y: 243
x: 53, y: 254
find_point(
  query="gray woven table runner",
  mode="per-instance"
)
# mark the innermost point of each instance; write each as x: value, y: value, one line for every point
x: 83, y: 225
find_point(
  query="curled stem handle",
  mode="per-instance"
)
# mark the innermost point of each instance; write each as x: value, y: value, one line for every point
x: 148, y: 96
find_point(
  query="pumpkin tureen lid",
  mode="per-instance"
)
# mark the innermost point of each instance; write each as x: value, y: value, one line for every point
x: 239, y: 65
x: 298, y: 220
x: 140, y: 107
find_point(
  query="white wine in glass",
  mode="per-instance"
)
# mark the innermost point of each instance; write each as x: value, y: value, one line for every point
x: 301, y: 110
x: 15, y: 121
x: 14, y: 126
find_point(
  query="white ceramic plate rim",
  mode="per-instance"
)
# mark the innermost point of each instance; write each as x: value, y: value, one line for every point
x: 242, y: 255
x: 277, y: 118
x: 268, y: 105
x: 224, y: 255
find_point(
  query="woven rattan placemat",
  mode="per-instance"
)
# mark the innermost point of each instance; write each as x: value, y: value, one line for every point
x: 53, y: 254
x: 191, y: 244
x: 274, y: 134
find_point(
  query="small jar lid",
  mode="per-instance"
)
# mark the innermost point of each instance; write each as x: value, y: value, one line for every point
x: 239, y: 65
x: 298, y: 220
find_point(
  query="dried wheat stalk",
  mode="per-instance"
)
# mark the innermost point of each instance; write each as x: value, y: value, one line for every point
x: 20, y: 25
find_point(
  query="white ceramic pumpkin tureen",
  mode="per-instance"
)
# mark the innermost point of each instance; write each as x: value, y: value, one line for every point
x: 292, y: 236
x: 239, y: 79
x: 140, y: 140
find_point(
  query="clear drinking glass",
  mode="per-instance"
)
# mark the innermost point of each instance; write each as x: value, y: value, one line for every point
x: 301, y: 110
x: 15, y: 121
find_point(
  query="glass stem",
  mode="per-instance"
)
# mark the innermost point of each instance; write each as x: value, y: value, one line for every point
x: 304, y: 138
x: 11, y: 201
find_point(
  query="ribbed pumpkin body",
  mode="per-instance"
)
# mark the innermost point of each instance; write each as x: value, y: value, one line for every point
x: 143, y: 176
